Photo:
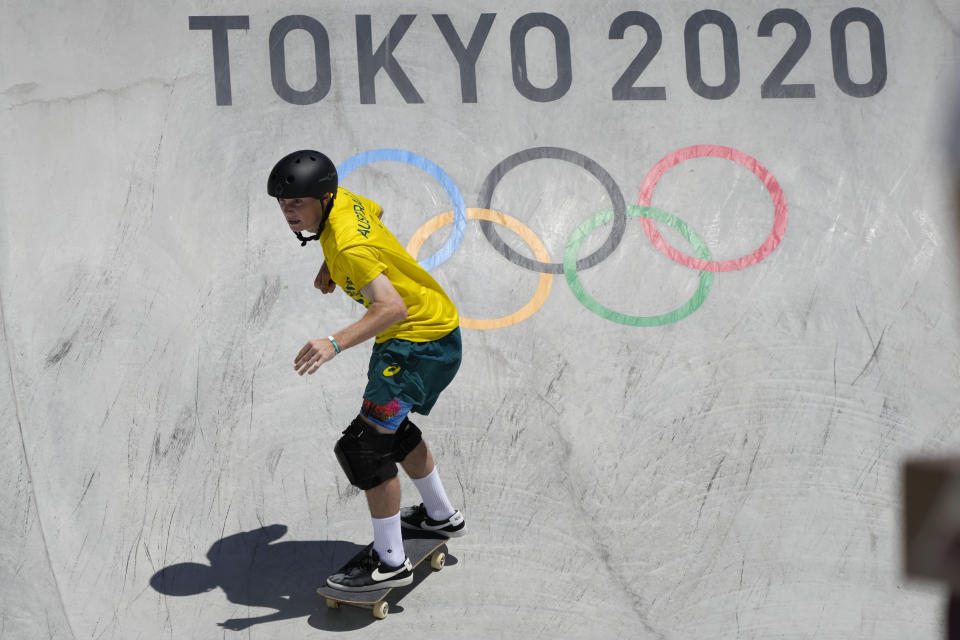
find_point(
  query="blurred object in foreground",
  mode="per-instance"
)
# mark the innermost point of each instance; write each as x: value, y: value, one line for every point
x: 932, y: 519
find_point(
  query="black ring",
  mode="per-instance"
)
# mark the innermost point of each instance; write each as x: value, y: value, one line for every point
x: 554, y: 153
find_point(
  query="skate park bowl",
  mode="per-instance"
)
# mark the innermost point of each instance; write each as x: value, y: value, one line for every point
x: 705, y: 259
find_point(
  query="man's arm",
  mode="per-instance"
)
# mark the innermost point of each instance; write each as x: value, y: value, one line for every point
x: 323, y: 281
x: 386, y: 309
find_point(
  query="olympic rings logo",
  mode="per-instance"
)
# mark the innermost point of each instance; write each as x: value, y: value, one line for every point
x: 616, y: 217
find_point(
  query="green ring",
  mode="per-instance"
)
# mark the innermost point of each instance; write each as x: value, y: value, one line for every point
x: 635, y: 211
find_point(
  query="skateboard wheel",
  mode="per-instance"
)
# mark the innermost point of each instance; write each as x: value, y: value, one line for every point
x: 332, y: 604
x: 380, y: 610
x: 437, y: 560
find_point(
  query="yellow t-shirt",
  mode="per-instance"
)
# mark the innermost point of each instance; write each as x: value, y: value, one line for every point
x: 358, y: 248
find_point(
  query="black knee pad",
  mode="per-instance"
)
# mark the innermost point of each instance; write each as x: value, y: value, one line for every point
x: 366, y: 455
x: 407, y: 438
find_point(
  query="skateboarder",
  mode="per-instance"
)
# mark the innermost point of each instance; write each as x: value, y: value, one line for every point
x: 416, y: 354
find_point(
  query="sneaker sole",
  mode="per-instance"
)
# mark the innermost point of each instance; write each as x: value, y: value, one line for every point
x: 386, y: 584
x: 441, y: 532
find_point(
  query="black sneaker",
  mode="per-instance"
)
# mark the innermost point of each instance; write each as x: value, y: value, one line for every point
x: 417, y: 518
x: 366, y: 573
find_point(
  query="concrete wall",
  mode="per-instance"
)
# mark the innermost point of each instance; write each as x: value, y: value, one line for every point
x: 702, y: 446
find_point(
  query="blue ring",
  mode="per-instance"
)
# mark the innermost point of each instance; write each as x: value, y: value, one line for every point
x: 456, y: 198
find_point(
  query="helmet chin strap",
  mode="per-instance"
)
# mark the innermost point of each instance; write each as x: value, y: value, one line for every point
x: 303, y: 240
x: 326, y: 214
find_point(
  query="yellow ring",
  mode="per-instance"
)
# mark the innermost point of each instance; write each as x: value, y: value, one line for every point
x: 522, y: 230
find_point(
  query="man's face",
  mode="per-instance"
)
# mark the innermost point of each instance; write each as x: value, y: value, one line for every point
x: 303, y: 214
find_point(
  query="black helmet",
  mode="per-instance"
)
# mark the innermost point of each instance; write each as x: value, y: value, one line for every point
x: 303, y: 174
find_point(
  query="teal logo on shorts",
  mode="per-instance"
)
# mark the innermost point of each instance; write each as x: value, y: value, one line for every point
x: 392, y: 370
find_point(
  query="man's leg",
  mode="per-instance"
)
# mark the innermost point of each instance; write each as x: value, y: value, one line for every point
x: 384, y: 499
x: 383, y: 502
x: 436, y: 513
x: 367, y: 457
x: 419, y: 462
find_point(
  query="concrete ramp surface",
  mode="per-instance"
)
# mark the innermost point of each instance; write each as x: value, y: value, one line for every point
x: 704, y: 256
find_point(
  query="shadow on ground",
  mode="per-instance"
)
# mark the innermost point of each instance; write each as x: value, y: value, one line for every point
x: 256, y: 571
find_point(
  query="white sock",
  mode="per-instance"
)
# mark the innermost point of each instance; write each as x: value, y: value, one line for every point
x: 434, y: 497
x: 388, y: 540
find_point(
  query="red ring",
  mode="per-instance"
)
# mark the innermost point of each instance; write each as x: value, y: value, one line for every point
x: 716, y: 151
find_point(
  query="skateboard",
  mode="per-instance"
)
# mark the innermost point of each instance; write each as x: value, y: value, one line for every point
x: 419, y: 546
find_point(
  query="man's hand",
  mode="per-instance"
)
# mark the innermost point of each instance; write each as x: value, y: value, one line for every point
x: 323, y: 281
x: 314, y: 354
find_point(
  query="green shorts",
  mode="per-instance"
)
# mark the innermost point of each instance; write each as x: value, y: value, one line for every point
x: 406, y: 376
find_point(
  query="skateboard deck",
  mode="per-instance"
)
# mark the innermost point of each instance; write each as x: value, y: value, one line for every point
x: 419, y: 546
